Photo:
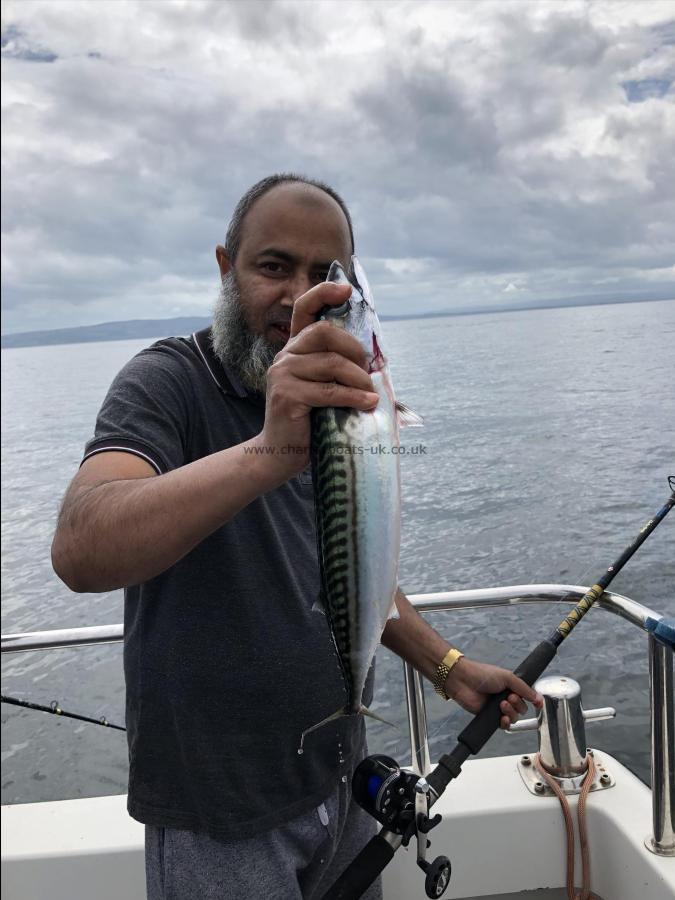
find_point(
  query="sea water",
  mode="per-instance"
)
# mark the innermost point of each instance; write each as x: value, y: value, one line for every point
x: 547, y: 441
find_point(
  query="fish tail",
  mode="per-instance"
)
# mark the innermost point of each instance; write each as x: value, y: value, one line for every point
x: 364, y: 711
x: 344, y: 711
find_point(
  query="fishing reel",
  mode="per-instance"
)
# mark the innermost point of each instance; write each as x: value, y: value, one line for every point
x: 401, y: 801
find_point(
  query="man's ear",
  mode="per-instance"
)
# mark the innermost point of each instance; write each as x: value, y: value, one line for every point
x: 224, y: 263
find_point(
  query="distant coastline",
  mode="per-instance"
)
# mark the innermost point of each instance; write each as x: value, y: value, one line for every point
x: 158, y: 328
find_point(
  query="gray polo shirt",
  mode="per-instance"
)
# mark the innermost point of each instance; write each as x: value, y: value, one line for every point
x: 226, y: 662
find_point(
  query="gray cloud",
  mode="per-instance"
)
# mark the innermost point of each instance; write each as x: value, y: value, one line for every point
x: 15, y: 45
x: 487, y: 150
x: 274, y: 21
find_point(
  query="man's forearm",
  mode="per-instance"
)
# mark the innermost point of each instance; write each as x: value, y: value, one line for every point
x: 470, y: 683
x: 127, y: 531
x: 413, y: 639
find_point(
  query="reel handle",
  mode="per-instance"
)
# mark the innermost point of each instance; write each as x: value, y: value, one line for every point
x: 437, y: 873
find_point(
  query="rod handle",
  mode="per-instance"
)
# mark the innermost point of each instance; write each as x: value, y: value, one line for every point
x: 362, y: 871
x: 483, y: 725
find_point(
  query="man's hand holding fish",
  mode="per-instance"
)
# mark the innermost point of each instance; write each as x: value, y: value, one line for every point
x: 319, y: 365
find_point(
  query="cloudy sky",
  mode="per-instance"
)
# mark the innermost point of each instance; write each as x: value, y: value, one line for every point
x: 492, y: 152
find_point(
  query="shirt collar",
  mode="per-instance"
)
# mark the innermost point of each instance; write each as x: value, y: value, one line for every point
x: 223, y: 376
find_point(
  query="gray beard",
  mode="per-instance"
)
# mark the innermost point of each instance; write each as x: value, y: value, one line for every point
x: 248, y: 355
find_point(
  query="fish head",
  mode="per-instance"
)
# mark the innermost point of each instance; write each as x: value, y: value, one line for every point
x: 357, y: 314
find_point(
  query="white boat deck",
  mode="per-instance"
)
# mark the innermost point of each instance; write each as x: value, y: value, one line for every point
x: 503, y: 842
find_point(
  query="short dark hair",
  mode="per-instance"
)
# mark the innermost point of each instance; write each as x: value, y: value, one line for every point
x: 234, y: 229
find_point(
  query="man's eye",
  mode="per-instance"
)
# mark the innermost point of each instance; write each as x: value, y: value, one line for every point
x: 272, y: 268
x: 320, y: 276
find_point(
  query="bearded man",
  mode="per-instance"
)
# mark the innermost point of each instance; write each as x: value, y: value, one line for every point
x: 188, y: 499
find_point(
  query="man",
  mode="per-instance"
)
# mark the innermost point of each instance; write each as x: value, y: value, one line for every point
x: 187, y: 499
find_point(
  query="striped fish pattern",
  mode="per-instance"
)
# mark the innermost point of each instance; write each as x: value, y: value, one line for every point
x: 357, y: 501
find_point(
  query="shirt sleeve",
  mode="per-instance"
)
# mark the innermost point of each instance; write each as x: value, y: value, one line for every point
x: 147, y: 411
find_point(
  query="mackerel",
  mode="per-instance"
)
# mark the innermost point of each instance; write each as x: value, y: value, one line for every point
x: 355, y: 472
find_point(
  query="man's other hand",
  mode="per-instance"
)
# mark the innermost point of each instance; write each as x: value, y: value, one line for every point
x: 472, y: 683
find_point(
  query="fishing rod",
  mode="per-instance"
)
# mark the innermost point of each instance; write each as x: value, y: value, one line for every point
x: 56, y: 710
x: 401, y: 800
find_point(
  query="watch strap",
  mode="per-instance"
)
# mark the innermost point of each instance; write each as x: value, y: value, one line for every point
x: 449, y: 661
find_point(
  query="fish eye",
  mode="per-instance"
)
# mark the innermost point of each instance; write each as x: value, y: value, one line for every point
x: 340, y: 312
x: 335, y: 312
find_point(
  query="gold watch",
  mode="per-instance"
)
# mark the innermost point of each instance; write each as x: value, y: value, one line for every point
x: 449, y: 661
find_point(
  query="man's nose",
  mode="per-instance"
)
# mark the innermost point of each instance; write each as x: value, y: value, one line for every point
x: 296, y: 286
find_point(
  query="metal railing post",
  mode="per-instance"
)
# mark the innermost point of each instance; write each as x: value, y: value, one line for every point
x: 420, y: 760
x: 662, y: 711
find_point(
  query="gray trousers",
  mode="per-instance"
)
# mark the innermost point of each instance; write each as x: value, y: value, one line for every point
x: 297, y: 861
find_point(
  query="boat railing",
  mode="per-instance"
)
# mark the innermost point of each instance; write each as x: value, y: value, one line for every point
x: 660, y: 655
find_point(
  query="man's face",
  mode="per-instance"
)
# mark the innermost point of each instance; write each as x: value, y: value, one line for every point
x: 290, y: 237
